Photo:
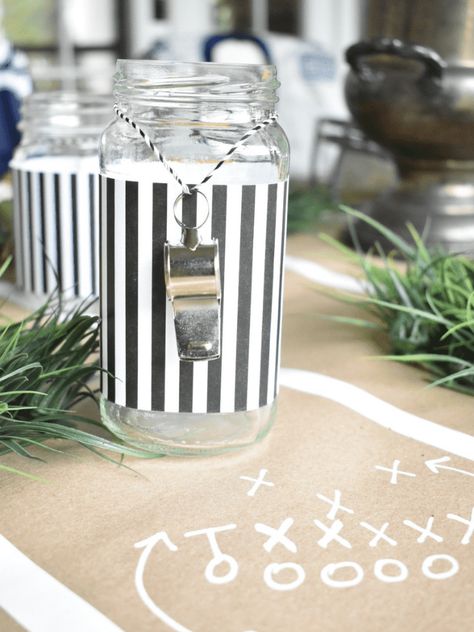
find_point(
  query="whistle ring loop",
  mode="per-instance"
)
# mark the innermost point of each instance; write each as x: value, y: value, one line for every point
x: 180, y: 221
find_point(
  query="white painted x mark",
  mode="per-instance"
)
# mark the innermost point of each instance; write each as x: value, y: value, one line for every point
x: 277, y: 536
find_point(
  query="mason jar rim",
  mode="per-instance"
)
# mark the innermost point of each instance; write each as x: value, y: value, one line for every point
x: 66, y: 112
x: 60, y: 99
x: 121, y: 61
x: 188, y: 82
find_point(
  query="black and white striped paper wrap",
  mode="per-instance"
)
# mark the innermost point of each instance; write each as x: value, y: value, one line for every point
x: 56, y: 221
x: 138, y: 348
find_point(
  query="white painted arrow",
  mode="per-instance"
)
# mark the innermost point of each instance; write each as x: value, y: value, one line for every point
x: 148, y: 545
x: 434, y: 466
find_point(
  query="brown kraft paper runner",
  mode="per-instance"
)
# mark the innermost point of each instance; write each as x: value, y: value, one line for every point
x: 323, y: 470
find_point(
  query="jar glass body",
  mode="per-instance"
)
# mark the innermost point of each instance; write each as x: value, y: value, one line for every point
x: 55, y: 174
x: 194, y: 113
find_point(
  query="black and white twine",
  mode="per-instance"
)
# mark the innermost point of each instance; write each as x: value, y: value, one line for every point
x: 186, y: 190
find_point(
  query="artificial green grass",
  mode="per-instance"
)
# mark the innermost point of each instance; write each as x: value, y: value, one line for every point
x: 422, y: 299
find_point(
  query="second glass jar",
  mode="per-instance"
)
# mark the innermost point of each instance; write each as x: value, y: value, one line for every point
x: 55, y: 182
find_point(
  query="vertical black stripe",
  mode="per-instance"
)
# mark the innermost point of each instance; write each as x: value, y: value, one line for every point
x: 32, y: 245
x: 267, y: 292
x: 186, y: 368
x: 92, y: 220
x: 43, y: 232
x: 75, y: 245
x: 131, y: 292
x: 158, y: 298
x: 101, y: 286
x: 214, y: 372
x: 280, y: 291
x: 57, y: 214
x: 110, y: 283
x: 245, y: 293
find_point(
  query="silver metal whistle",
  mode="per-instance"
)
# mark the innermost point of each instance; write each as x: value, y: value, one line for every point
x: 193, y: 285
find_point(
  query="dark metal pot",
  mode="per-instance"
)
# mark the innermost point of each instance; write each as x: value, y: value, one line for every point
x: 417, y: 101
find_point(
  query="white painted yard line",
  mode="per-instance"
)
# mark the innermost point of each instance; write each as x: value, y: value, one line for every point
x: 324, y: 276
x: 380, y: 412
x: 39, y: 602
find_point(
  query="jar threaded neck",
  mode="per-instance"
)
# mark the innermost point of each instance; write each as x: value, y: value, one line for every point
x: 188, y: 84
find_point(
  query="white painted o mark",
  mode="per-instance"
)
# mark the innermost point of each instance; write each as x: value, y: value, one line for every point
x: 430, y: 560
x: 231, y: 574
x: 330, y: 569
x: 379, y: 573
x: 275, y: 568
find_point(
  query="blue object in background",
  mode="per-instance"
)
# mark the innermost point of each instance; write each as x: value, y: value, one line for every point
x: 15, y: 84
x: 9, y: 134
x: 318, y: 66
x: 211, y: 42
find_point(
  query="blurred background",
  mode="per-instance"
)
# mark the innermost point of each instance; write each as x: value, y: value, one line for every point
x: 73, y: 44
x: 394, y: 136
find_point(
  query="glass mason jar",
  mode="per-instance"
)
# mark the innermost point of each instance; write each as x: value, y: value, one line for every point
x: 194, y: 113
x: 55, y: 172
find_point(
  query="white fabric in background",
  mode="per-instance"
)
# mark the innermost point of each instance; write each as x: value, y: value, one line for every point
x: 310, y: 87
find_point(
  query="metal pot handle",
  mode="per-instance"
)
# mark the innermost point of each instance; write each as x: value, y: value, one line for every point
x: 434, y: 64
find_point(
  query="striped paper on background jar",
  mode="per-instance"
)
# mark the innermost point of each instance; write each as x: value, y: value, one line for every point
x: 194, y: 115
x: 56, y: 194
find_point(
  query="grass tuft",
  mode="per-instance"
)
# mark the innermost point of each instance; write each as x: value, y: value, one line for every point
x: 423, y: 299
x: 47, y: 362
